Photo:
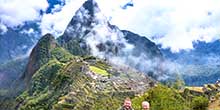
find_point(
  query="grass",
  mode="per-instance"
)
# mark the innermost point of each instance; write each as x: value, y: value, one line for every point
x: 98, y: 71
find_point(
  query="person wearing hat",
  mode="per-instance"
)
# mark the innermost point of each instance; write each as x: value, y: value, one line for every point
x: 127, y: 105
x: 145, y: 105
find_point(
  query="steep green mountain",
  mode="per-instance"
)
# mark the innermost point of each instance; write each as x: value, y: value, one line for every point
x: 45, y: 50
x: 59, y: 80
x: 90, y: 33
x: 68, y: 82
x: 82, y: 70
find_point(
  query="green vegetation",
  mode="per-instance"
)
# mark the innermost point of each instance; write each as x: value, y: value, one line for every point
x: 7, y: 104
x: 61, y: 85
x: 40, y: 95
x: 102, y: 65
x: 43, y: 77
x: 98, y: 70
x: 42, y: 49
x: 64, y: 86
x: 200, y: 103
x: 40, y: 102
x: 162, y: 98
x: 107, y: 103
x: 88, y: 57
x: 61, y: 55
x: 60, y: 82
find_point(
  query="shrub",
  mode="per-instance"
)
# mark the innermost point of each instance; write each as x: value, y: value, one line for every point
x: 200, y: 103
x: 162, y: 98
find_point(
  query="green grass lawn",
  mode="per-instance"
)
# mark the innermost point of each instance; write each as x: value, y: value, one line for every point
x: 98, y: 70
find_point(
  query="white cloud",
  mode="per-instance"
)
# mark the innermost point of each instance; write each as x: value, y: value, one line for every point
x: 174, y: 24
x: 3, y: 29
x: 56, y: 8
x: 29, y: 31
x: 57, y: 22
x: 16, y: 12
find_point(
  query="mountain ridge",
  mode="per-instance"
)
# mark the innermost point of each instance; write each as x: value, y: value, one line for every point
x: 85, y: 78
x: 95, y: 65
x: 53, y: 72
x: 90, y: 33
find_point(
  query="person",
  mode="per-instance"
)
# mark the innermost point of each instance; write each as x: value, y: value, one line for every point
x: 127, y: 105
x: 145, y: 105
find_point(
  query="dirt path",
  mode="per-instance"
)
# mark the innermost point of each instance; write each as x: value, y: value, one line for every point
x: 215, y: 105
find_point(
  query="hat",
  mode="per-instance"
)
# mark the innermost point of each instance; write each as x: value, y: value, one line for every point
x: 145, y: 104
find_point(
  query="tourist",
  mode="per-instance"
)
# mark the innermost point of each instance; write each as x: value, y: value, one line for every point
x: 127, y: 105
x: 145, y: 105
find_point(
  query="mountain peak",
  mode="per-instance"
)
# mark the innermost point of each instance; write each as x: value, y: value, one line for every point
x: 90, y: 6
x: 49, y: 40
x: 40, y: 55
x: 83, y: 21
x: 90, y: 33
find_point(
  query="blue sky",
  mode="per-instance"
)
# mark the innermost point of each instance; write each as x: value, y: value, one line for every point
x: 53, y: 3
x: 175, y: 24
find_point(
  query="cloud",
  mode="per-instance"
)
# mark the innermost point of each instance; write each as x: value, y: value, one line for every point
x: 173, y: 24
x: 57, y: 21
x: 109, y: 43
x: 3, y: 29
x: 29, y: 31
x: 16, y: 12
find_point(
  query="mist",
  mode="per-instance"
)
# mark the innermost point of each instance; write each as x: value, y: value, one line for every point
x: 108, y: 42
x: 157, y: 22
